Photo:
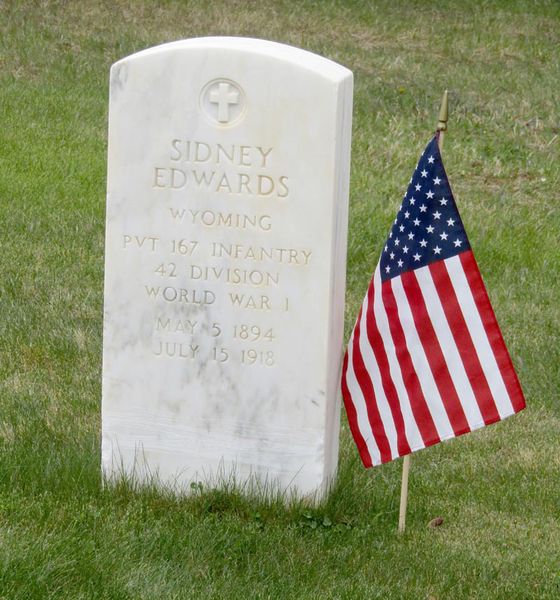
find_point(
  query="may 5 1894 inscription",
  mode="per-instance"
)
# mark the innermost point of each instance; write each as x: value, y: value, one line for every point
x: 225, y: 265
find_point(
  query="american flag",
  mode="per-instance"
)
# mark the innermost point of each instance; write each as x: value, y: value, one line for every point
x: 426, y: 361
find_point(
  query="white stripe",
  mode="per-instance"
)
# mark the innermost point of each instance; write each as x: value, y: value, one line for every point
x: 479, y: 337
x: 411, y: 428
x: 360, y: 406
x: 449, y: 348
x: 372, y: 368
x: 421, y: 364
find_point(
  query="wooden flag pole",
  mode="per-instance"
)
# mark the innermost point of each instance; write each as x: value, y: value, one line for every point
x: 441, y: 128
x: 404, y: 493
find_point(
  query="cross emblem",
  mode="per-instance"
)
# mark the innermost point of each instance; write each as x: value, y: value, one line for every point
x: 223, y: 96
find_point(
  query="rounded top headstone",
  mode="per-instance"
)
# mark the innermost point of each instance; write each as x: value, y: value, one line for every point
x: 227, y: 196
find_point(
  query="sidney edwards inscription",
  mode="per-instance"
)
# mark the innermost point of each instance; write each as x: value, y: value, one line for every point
x: 225, y: 251
x: 203, y: 166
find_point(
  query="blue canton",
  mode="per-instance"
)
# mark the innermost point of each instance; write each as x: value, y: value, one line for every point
x: 428, y: 227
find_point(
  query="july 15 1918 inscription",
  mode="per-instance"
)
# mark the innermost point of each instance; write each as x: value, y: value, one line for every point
x: 225, y: 265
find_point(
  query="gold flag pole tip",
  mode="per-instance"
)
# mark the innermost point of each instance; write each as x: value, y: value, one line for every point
x: 443, y: 113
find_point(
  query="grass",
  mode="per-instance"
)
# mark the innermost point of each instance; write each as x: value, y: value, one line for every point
x: 498, y: 490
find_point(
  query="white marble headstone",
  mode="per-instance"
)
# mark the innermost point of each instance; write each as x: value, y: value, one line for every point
x: 227, y: 201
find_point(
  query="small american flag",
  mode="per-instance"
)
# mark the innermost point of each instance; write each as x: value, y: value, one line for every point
x: 426, y: 361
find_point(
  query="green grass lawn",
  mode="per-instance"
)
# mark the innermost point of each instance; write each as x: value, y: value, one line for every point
x: 498, y: 490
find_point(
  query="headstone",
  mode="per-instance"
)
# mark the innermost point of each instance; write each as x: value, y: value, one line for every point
x: 228, y: 177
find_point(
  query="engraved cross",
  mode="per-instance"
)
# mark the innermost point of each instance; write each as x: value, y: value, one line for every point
x: 223, y: 97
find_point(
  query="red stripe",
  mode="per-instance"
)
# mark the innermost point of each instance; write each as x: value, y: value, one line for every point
x: 353, y: 418
x: 376, y: 343
x: 418, y: 403
x: 464, y: 342
x: 369, y: 395
x: 493, y: 332
x: 434, y: 354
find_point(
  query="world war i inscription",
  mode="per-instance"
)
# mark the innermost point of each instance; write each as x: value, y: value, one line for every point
x: 225, y: 265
